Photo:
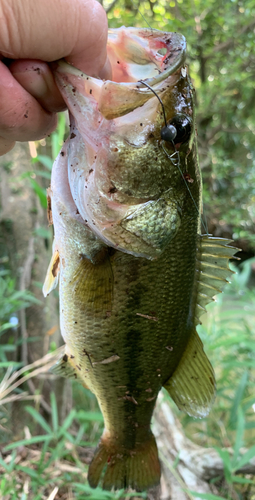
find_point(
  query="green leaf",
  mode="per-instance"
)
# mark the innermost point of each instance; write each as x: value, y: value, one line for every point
x: 6, y: 326
x: 207, y: 496
x: 224, y: 454
x: 97, y: 494
x: 30, y: 472
x: 68, y: 420
x: 241, y: 480
x: 7, y: 467
x: 42, y: 173
x: 57, y: 138
x: 90, y: 416
x: 14, y: 364
x: 41, y: 192
x: 26, y: 442
x: 43, y: 232
x: 54, y: 414
x: 245, y: 458
x: 239, y: 436
x: 39, y: 419
x: 237, y: 399
x: 45, y: 160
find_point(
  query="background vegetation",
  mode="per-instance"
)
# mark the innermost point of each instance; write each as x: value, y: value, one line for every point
x: 50, y: 445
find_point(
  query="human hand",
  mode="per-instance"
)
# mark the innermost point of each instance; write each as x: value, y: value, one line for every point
x: 34, y: 33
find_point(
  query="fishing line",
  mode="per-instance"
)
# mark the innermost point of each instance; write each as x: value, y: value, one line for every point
x: 145, y: 19
x: 176, y: 153
x: 157, y: 96
x: 186, y: 184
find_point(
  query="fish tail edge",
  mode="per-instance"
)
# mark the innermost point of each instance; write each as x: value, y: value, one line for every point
x: 138, y: 468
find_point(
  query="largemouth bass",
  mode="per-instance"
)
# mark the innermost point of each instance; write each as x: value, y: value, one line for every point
x: 134, y: 271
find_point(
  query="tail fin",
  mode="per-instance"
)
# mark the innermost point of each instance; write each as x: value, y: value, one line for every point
x: 138, y: 468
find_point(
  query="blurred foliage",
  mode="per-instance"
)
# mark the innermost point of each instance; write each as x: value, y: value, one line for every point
x: 221, y: 58
x: 11, y: 302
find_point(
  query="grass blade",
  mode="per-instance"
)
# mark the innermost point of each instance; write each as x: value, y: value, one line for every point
x: 207, y: 496
x: 26, y: 442
x: 245, y: 458
x: 239, y: 436
x: 238, y: 397
x: 39, y: 418
x: 54, y: 412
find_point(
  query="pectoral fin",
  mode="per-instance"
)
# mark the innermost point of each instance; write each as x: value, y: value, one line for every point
x: 65, y: 367
x: 192, y: 385
x: 155, y: 223
x: 51, y: 279
x: 92, y: 287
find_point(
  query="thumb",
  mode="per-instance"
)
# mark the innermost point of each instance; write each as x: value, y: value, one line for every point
x: 49, y: 30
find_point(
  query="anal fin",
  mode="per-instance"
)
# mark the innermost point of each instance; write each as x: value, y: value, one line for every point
x: 51, y: 279
x: 192, y: 385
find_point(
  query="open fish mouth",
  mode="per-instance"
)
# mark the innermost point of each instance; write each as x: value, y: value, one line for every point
x: 143, y: 55
x: 135, y: 54
x: 116, y: 126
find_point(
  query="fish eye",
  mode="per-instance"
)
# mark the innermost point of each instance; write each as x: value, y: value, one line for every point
x: 178, y: 130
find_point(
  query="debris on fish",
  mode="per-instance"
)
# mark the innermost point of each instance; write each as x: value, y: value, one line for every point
x: 115, y: 357
x: 134, y: 271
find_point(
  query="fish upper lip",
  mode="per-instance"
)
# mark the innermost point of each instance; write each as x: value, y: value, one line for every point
x: 136, y: 57
x: 177, y: 54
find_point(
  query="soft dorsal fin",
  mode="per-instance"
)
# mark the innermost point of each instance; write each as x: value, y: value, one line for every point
x: 212, y: 270
x: 51, y: 279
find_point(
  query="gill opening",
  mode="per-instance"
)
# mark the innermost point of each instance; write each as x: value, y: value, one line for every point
x: 175, y: 157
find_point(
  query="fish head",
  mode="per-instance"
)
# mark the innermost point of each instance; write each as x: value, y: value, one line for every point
x: 130, y: 140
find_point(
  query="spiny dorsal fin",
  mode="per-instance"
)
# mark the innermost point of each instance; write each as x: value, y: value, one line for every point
x: 51, y: 279
x: 212, y: 269
x: 192, y: 385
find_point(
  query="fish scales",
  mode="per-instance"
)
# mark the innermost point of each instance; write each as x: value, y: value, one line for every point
x: 134, y: 272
